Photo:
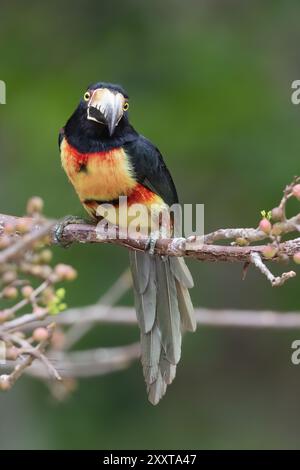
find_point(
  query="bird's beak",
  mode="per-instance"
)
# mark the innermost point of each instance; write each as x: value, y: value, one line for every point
x: 106, y: 107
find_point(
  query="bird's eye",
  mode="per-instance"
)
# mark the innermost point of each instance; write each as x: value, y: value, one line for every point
x: 86, y: 96
x: 125, y: 106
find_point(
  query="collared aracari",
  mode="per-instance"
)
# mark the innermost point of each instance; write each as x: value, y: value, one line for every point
x: 105, y: 158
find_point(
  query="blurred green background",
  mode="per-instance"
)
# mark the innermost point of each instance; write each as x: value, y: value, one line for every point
x: 210, y: 84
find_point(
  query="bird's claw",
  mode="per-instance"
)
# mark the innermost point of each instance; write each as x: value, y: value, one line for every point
x: 60, y: 227
x: 151, y: 244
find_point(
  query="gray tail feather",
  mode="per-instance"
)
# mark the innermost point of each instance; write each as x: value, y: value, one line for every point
x: 164, y: 309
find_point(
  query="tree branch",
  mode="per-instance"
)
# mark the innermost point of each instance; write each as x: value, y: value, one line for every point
x: 200, y: 248
x: 21, y: 254
x: 99, y: 361
x: 101, y: 314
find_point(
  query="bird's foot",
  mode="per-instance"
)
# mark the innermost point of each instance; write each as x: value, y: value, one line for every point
x: 60, y: 227
x: 151, y: 244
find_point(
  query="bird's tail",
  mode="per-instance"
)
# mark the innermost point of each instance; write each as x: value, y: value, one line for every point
x: 164, y: 309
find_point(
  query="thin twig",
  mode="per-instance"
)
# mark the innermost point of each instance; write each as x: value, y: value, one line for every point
x: 41, y: 229
x: 94, y: 314
x: 32, y: 353
x: 276, y: 281
x: 88, y: 363
x: 33, y: 296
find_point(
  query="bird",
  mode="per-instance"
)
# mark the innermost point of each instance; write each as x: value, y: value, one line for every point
x: 105, y: 158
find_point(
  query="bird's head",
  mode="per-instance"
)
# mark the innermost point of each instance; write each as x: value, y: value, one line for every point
x: 104, y: 104
x: 100, y: 121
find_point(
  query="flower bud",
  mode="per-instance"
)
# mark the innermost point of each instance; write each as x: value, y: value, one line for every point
x: 269, y: 251
x: 35, y: 205
x: 277, y: 214
x: 65, y: 272
x: 296, y: 257
x: 40, y: 334
x: 36, y: 270
x: 4, y: 242
x: 241, y: 241
x: 4, y: 382
x: 26, y: 291
x: 265, y: 225
x: 12, y: 353
x: 9, y: 276
x: 5, y: 315
x: 23, y: 226
x: 46, y: 256
x: 296, y: 191
x: 45, y: 271
x: 9, y: 228
x: 10, y: 292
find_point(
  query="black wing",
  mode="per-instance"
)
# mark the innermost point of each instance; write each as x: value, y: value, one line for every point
x: 150, y: 169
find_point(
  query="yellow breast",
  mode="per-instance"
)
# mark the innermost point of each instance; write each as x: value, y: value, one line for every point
x: 102, y: 176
